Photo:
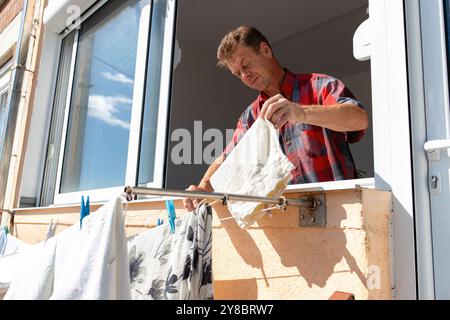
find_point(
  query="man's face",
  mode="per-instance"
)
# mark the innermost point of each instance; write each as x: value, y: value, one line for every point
x: 252, y: 68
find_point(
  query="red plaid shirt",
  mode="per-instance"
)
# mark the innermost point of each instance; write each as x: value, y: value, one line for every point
x: 318, y: 154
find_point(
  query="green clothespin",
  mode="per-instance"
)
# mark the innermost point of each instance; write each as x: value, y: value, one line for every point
x: 84, y: 209
x: 171, y: 214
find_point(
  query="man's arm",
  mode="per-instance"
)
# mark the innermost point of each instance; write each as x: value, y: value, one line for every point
x: 189, y: 203
x: 337, y: 117
x: 205, y: 182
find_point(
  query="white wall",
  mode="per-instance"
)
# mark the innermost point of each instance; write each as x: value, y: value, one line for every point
x: 362, y: 151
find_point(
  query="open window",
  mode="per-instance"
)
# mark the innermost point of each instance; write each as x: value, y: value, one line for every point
x: 108, y: 121
x: 306, y: 36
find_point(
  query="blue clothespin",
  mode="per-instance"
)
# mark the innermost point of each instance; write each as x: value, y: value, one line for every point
x: 84, y: 209
x: 159, y: 222
x: 171, y: 213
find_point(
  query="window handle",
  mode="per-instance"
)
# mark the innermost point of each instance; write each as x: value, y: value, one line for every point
x: 434, y: 147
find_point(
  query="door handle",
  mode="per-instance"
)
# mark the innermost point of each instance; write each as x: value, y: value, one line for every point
x: 434, y: 147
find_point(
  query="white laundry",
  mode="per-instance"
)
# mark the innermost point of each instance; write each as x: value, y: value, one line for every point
x: 92, y: 263
x: 12, y: 245
x: 257, y: 166
x: 33, y: 270
x: 9, y: 251
x: 7, y: 269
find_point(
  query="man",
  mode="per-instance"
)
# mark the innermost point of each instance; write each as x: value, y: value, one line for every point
x: 317, y: 116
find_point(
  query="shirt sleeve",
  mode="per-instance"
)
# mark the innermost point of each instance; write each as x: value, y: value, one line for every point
x: 333, y: 92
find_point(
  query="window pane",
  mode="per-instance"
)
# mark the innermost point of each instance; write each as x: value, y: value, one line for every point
x: 96, y: 147
x: 147, y: 151
x: 3, y: 116
x: 57, y: 121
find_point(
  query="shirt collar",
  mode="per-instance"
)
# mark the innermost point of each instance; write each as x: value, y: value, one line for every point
x: 287, y: 87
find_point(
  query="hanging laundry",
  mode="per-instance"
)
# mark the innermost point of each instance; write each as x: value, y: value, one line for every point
x: 3, y: 234
x: 33, y: 272
x: 257, y: 166
x: 173, y: 266
x: 9, y: 250
x: 7, y: 268
x: 92, y: 263
x: 10, y: 244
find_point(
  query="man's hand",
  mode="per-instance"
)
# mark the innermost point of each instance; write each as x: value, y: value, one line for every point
x: 280, y: 110
x: 189, y: 203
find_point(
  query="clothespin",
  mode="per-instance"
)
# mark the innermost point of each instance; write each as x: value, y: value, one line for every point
x: 159, y: 222
x: 84, y: 209
x: 171, y: 213
x: 51, y: 229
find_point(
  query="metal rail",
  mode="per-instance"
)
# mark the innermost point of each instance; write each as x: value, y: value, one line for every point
x: 307, y: 202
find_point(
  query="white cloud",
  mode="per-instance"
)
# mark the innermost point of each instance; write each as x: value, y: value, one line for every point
x: 103, y: 108
x: 118, y: 77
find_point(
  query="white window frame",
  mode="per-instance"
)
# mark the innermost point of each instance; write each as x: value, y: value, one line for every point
x: 5, y: 78
x: 392, y: 131
x: 133, y: 145
x: 100, y: 195
x: 5, y: 75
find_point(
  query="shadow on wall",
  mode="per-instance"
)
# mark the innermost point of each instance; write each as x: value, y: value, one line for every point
x: 248, y: 251
x: 317, y: 254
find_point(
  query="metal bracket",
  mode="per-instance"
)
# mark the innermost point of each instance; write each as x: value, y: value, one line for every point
x: 317, y: 215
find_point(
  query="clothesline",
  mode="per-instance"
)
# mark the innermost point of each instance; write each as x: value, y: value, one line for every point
x: 306, y: 202
x: 280, y: 202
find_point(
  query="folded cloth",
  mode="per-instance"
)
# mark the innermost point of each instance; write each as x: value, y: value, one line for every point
x: 257, y: 166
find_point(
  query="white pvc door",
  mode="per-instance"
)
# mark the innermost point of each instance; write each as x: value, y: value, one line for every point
x: 435, y: 43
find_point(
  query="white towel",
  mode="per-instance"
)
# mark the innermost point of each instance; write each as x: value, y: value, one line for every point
x: 9, y: 254
x: 92, y: 263
x: 7, y: 269
x: 33, y: 272
x: 13, y: 245
x: 257, y: 166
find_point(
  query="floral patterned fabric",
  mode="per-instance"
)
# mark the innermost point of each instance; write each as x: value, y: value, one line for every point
x: 173, y: 266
